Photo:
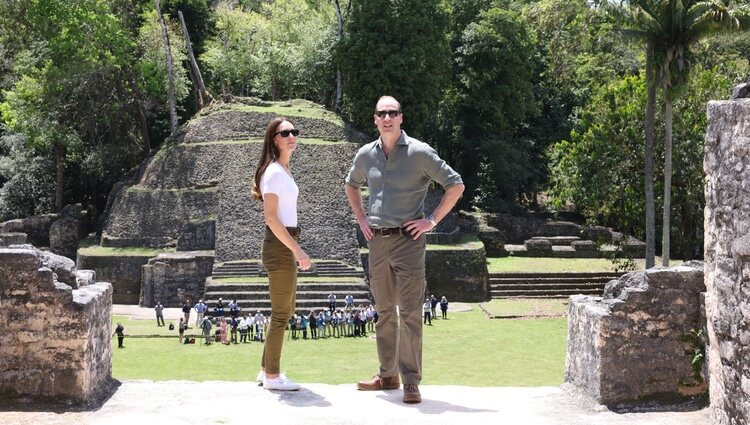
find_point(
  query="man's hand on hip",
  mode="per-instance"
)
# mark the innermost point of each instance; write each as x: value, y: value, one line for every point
x: 418, y: 226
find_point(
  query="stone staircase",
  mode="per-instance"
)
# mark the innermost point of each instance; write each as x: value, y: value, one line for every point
x: 549, y: 285
x: 255, y: 268
x: 230, y: 281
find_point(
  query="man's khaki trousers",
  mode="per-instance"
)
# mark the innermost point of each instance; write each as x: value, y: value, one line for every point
x: 397, y: 281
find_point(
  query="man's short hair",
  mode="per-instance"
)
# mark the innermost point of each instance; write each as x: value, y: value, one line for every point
x: 388, y: 96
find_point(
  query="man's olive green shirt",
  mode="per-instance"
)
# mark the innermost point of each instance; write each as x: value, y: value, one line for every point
x: 398, y: 184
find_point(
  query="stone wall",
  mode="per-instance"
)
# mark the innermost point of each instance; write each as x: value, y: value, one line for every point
x: 123, y: 271
x: 55, y: 344
x: 174, y: 277
x: 727, y: 256
x: 626, y: 347
x: 458, y: 274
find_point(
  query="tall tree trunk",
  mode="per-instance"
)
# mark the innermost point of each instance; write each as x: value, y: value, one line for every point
x: 144, y: 129
x: 203, y: 97
x: 648, y: 158
x: 667, y: 177
x: 60, y: 168
x: 339, y: 103
x: 170, y: 71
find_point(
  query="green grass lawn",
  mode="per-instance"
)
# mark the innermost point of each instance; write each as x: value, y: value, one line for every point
x: 529, y: 352
x: 558, y: 265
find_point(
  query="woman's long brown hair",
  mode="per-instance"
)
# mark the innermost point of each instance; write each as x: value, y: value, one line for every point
x: 269, y: 154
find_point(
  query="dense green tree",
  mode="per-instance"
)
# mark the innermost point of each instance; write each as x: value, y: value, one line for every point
x: 398, y: 48
x: 670, y: 28
x: 251, y: 56
x: 599, y: 166
x: 490, y: 96
x: 78, y: 51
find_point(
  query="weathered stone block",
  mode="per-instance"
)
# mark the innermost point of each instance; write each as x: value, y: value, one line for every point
x: 63, y: 236
x: 123, y: 271
x: 459, y: 275
x: 626, y: 346
x: 56, y: 342
x: 12, y: 238
x: 538, y: 247
x: 173, y: 277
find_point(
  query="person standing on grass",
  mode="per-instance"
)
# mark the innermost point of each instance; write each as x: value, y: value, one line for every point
x: 186, y: 311
x: 427, y: 309
x: 120, y: 332
x: 281, y: 253
x: 200, y: 309
x: 181, y: 328
x: 243, y: 329
x: 444, y: 307
x: 206, y: 327
x: 159, y: 309
x: 398, y: 170
x: 433, y: 304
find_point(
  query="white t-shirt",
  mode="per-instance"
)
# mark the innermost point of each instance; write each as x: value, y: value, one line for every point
x: 277, y: 181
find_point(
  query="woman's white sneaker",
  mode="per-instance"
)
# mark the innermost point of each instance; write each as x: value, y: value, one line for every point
x: 280, y: 383
x: 261, y: 377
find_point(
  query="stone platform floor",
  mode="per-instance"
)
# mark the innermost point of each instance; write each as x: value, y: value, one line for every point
x: 215, y: 402
x: 219, y: 402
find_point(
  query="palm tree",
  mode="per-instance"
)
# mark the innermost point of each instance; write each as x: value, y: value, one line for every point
x: 670, y: 28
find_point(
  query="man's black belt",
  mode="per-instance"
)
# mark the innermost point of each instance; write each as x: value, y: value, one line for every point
x: 390, y: 231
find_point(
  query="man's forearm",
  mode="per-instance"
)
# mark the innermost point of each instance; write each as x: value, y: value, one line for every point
x: 448, y: 201
x: 354, y: 196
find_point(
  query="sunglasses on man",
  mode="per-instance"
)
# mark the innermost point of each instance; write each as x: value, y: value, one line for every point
x: 391, y: 113
x: 286, y: 133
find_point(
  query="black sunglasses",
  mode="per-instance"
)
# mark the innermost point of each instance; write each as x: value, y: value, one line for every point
x: 391, y: 113
x: 286, y: 133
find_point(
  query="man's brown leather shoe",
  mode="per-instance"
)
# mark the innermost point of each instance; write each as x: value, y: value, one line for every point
x: 411, y: 393
x: 379, y: 383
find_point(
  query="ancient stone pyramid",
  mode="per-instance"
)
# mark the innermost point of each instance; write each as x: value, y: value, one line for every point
x: 203, y: 175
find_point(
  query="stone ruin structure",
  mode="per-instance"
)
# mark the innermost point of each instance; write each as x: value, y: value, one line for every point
x: 539, y: 236
x: 193, y: 197
x: 727, y: 256
x: 627, y: 346
x: 60, y: 232
x: 56, y: 339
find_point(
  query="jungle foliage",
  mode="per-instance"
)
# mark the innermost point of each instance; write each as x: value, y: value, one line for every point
x: 520, y: 96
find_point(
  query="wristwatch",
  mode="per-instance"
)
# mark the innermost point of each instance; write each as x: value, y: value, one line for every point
x: 431, y: 219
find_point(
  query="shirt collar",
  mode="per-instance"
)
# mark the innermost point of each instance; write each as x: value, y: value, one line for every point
x: 401, y: 140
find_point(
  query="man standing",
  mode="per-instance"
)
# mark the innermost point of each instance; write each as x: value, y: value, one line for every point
x: 120, y: 332
x: 398, y: 170
x: 186, y: 311
x: 200, y: 308
x: 206, y: 327
x: 159, y: 309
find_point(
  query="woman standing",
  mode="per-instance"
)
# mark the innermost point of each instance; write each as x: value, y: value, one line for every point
x: 274, y: 185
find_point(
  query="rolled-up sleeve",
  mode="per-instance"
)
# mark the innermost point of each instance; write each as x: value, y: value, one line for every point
x: 438, y: 170
x: 357, y: 177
